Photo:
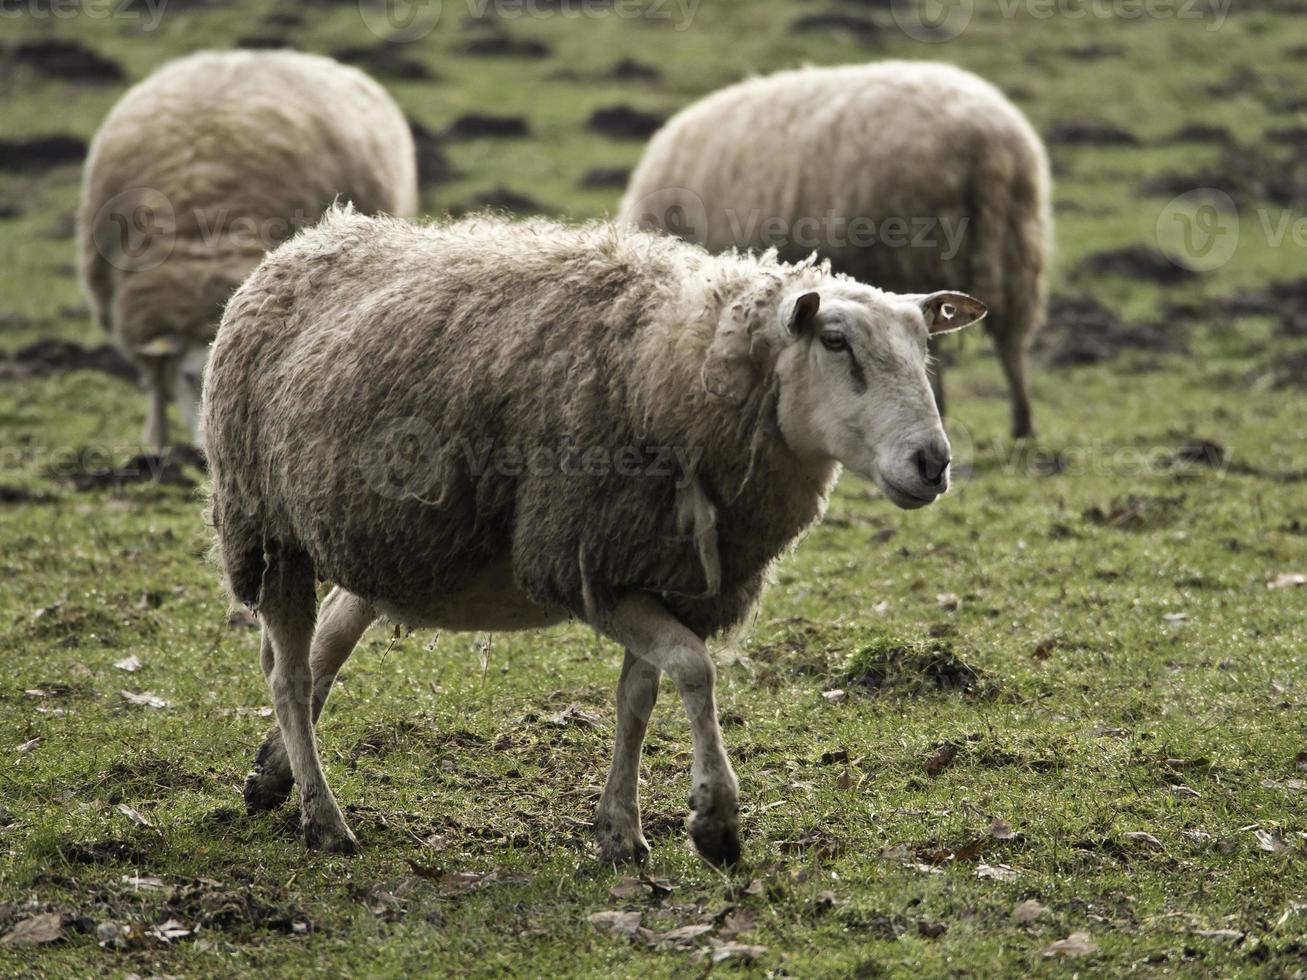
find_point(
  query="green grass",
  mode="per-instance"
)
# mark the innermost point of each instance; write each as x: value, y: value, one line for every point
x: 1123, y: 667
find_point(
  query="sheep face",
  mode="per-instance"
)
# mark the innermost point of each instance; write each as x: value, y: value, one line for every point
x: 853, y: 384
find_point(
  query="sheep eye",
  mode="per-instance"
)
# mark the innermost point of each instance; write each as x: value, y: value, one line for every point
x: 834, y: 341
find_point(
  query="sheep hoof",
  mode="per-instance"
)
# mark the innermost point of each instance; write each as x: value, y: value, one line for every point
x: 715, y: 826
x: 620, y: 841
x: 264, y: 791
x: 330, y: 840
x: 716, y: 839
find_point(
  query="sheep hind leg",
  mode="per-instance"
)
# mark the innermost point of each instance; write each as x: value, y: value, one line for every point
x: 287, y: 610
x: 617, y: 823
x: 652, y: 634
x: 1012, y: 355
x: 342, y: 620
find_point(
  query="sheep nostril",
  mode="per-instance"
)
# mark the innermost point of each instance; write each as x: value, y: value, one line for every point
x: 931, y: 465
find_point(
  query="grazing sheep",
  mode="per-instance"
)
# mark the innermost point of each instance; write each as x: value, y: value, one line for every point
x: 201, y: 168
x: 903, y: 174
x: 593, y: 422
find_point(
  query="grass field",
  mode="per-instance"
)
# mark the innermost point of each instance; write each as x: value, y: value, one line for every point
x: 1063, y: 700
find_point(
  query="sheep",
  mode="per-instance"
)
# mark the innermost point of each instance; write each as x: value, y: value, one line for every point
x: 202, y: 167
x: 494, y: 426
x: 901, y: 173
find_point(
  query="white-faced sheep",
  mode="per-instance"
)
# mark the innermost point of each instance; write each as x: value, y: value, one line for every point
x: 903, y: 174
x: 201, y: 168
x: 535, y: 383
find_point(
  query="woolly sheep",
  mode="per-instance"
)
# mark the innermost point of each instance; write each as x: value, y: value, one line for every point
x: 496, y: 426
x: 903, y: 174
x: 201, y: 168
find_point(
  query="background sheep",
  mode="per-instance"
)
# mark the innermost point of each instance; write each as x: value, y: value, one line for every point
x: 201, y: 168
x: 532, y: 339
x: 903, y: 174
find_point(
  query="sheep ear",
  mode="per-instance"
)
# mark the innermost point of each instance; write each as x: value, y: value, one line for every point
x: 803, y: 314
x: 948, y: 311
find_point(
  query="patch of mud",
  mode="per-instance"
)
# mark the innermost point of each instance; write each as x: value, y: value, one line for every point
x: 628, y: 69
x: 433, y: 162
x: 39, y: 153
x: 1082, y: 330
x: 476, y: 125
x: 1089, y: 132
x: 1285, y: 301
x: 66, y: 60
x: 605, y: 177
x: 502, y: 45
x: 100, y: 852
x: 499, y: 199
x: 832, y: 21
x: 1246, y: 175
x: 1093, y: 51
x: 1144, y: 262
x: 233, y: 908
x: 88, y: 471
x: 262, y: 42
x: 148, y: 777
x: 386, y: 60
x: 46, y: 357
x: 1137, y: 512
x: 1202, y: 133
x: 19, y: 495
x: 624, y: 123
x: 914, y: 667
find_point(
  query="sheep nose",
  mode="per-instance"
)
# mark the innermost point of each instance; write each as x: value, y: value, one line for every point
x: 932, y: 463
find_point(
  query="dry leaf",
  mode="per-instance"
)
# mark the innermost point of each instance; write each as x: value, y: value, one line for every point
x: 30, y: 744
x: 1272, y: 842
x: 1076, y: 944
x: 684, y: 935
x: 729, y: 951
x: 1028, y: 911
x: 1287, y: 580
x: 846, y: 780
x: 130, y: 664
x: 135, y: 815
x: 144, y: 883
x: 1226, y: 935
x: 1000, y: 829
x: 739, y: 921
x: 941, y: 759
x: 574, y: 714
x: 617, y: 923
x: 146, y: 698
x: 835, y: 695
x: 1292, y: 785
x: 1144, y: 838
x: 931, y: 930
x: 1184, y: 792
x: 170, y: 930
x: 1175, y: 617
x: 999, y: 872
x: 44, y: 928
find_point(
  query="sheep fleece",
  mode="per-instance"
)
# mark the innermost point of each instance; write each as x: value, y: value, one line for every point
x: 241, y: 145
x: 362, y: 333
x: 896, y: 141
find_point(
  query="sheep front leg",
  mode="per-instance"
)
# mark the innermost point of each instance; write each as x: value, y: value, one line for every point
x: 287, y: 611
x: 342, y: 620
x: 652, y: 634
x: 618, y: 821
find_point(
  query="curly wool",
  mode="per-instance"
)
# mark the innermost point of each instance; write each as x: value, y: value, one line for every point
x: 482, y: 336
x: 216, y: 157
